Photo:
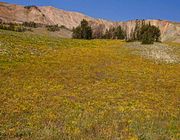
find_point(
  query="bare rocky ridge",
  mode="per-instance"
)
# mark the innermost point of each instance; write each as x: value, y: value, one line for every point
x: 50, y: 15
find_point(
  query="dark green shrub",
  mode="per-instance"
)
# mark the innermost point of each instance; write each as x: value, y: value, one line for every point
x: 30, y: 6
x: 30, y: 24
x: 149, y: 34
x: 53, y: 28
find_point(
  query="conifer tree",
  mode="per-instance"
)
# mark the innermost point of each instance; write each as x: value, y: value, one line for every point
x: 119, y: 33
x: 83, y: 31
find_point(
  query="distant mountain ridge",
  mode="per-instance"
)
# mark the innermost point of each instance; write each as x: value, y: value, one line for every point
x: 49, y: 15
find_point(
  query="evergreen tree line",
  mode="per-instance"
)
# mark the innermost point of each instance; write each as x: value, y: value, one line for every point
x: 12, y: 27
x: 146, y: 33
x: 84, y: 31
x: 54, y: 28
x: 26, y: 26
x: 32, y: 24
x: 115, y: 33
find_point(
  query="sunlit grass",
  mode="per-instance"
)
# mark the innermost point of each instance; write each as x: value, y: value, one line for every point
x: 52, y: 88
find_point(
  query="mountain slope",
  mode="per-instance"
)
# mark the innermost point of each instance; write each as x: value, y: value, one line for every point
x: 50, y: 15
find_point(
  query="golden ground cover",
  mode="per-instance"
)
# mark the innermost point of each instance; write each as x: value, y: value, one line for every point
x: 52, y: 88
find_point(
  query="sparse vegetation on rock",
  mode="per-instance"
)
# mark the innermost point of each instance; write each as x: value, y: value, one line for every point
x: 53, y: 28
x: 30, y: 24
x: 30, y: 6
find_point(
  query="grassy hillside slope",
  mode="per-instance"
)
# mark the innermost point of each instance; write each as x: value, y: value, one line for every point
x: 52, y: 88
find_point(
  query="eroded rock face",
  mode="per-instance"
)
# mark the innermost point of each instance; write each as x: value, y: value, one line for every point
x: 50, y: 15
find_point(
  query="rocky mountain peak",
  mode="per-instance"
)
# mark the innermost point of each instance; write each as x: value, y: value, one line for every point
x: 51, y: 16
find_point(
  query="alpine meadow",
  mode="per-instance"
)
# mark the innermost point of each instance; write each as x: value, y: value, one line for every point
x: 68, y: 76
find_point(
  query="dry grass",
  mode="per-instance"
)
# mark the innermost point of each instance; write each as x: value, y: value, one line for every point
x: 52, y: 88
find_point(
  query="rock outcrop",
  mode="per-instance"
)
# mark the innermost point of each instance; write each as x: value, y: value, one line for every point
x: 50, y: 15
